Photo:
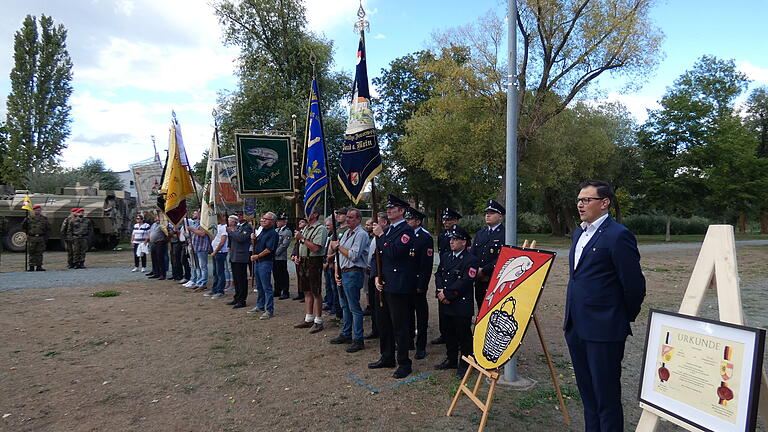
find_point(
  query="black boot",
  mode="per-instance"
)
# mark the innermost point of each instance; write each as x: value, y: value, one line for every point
x: 31, y: 268
x: 40, y: 268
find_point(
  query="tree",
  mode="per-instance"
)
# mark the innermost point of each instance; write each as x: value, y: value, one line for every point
x: 757, y: 122
x: 696, y: 146
x: 92, y: 171
x: 274, y: 72
x: 38, y: 116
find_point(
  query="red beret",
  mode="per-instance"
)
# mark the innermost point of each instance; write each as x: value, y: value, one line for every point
x: 73, y: 210
x: 37, y: 206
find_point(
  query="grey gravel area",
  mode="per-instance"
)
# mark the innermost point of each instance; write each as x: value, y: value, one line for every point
x: 61, y: 278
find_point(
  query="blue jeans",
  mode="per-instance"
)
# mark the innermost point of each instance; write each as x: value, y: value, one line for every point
x: 202, y: 274
x: 264, y: 286
x: 330, y: 290
x: 219, y: 277
x: 352, y: 323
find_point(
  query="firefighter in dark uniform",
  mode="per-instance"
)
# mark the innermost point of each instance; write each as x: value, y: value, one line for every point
x: 454, y: 282
x: 487, y: 245
x: 38, y: 229
x: 450, y: 219
x: 395, y: 282
x: 79, y: 230
x: 423, y: 252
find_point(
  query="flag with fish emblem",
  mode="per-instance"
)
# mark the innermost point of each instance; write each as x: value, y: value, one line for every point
x: 509, y: 303
x: 360, y: 158
x: 314, y: 169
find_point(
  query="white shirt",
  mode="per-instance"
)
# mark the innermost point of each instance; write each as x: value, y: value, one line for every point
x: 586, y: 236
x: 221, y: 234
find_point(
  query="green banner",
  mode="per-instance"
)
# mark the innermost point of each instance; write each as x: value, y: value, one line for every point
x: 264, y: 164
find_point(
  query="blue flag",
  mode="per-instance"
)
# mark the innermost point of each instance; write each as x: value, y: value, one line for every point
x: 360, y: 157
x: 314, y: 168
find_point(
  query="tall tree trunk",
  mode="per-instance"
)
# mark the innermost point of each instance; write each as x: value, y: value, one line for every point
x: 551, y: 211
x: 667, y: 235
x: 764, y: 221
x: 742, y: 222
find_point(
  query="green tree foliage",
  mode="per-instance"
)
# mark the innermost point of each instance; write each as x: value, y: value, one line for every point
x: 275, y: 71
x: 757, y: 118
x: 92, y: 171
x: 696, y: 145
x: 38, y: 108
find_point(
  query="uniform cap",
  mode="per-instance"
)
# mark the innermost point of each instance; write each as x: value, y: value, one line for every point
x: 282, y: 216
x: 393, y: 201
x: 74, y: 210
x: 412, y: 213
x: 37, y: 206
x: 451, y: 214
x: 494, y: 207
x: 239, y: 212
x: 459, y: 233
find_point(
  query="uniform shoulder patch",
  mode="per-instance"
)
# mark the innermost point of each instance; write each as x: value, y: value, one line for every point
x: 472, y: 272
x: 430, y: 252
x: 405, y: 238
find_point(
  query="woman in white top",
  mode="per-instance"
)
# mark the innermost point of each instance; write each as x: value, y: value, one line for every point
x: 139, y: 235
x: 219, y: 255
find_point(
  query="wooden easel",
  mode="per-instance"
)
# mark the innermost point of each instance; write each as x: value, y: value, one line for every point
x: 494, y: 375
x: 716, y: 265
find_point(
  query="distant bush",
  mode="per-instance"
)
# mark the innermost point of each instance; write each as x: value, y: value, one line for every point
x: 527, y: 223
x: 657, y: 225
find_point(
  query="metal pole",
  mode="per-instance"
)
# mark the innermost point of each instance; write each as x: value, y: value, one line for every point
x: 510, y: 177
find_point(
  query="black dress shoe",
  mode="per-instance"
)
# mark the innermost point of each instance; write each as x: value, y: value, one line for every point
x: 402, y: 372
x: 420, y: 354
x: 371, y: 335
x: 153, y: 277
x: 233, y: 302
x: 298, y: 297
x: 447, y: 364
x: 356, y: 346
x: 437, y: 341
x: 340, y: 339
x: 381, y: 364
x: 238, y: 305
x: 460, y: 372
x: 284, y: 297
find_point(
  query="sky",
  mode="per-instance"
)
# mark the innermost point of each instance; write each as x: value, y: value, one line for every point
x: 137, y: 60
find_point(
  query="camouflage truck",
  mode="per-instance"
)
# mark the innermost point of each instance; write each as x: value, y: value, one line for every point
x: 112, y: 214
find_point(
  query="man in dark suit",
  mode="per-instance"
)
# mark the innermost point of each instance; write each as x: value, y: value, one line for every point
x: 394, y: 280
x: 453, y: 282
x: 605, y: 292
x: 487, y: 245
x: 423, y: 253
x: 239, y: 236
x: 450, y: 219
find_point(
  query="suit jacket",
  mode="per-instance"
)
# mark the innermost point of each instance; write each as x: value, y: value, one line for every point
x: 398, y: 266
x: 607, y: 288
x: 487, y: 247
x: 456, y: 276
x: 239, y: 242
x: 284, y: 241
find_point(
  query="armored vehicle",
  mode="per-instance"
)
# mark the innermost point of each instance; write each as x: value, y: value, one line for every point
x: 112, y: 214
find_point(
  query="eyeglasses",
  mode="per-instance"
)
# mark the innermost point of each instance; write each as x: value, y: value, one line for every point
x: 266, y: 219
x: 587, y: 200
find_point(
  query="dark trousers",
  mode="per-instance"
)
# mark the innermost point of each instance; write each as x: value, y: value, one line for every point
x: 394, y: 327
x: 373, y: 302
x: 136, y: 259
x: 240, y: 278
x: 176, y: 252
x: 420, y: 320
x: 458, y: 337
x: 597, y: 366
x: 280, y: 273
x: 158, y: 251
x: 185, y: 262
x: 480, y: 291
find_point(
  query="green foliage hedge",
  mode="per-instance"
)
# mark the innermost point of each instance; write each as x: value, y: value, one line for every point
x: 657, y: 225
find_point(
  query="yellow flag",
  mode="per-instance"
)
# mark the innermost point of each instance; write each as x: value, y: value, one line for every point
x: 177, y: 184
x: 27, y: 205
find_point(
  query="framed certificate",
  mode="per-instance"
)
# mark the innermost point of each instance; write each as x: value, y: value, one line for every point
x: 703, y: 372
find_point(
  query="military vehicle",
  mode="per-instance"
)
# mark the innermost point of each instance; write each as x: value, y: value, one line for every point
x: 112, y: 214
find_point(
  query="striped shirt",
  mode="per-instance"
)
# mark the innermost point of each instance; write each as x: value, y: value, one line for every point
x: 200, y: 243
x: 140, y: 232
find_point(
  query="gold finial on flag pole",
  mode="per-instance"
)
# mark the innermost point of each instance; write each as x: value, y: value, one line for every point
x: 361, y: 24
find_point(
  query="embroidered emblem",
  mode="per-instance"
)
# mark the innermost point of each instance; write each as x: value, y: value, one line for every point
x: 472, y: 272
x: 430, y: 252
x: 405, y: 239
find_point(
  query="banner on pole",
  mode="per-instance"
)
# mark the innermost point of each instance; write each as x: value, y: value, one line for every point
x: 264, y: 164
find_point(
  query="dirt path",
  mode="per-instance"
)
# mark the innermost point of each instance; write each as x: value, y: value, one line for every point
x: 159, y: 358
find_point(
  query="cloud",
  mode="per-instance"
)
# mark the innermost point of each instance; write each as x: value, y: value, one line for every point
x: 755, y: 73
x: 380, y: 36
x: 324, y: 15
x: 638, y: 105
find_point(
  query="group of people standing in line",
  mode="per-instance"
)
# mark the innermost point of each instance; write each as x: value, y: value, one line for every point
x: 76, y: 232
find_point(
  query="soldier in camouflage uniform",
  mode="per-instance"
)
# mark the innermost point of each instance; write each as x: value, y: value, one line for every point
x: 79, y: 230
x: 37, y: 228
x: 65, y: 237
